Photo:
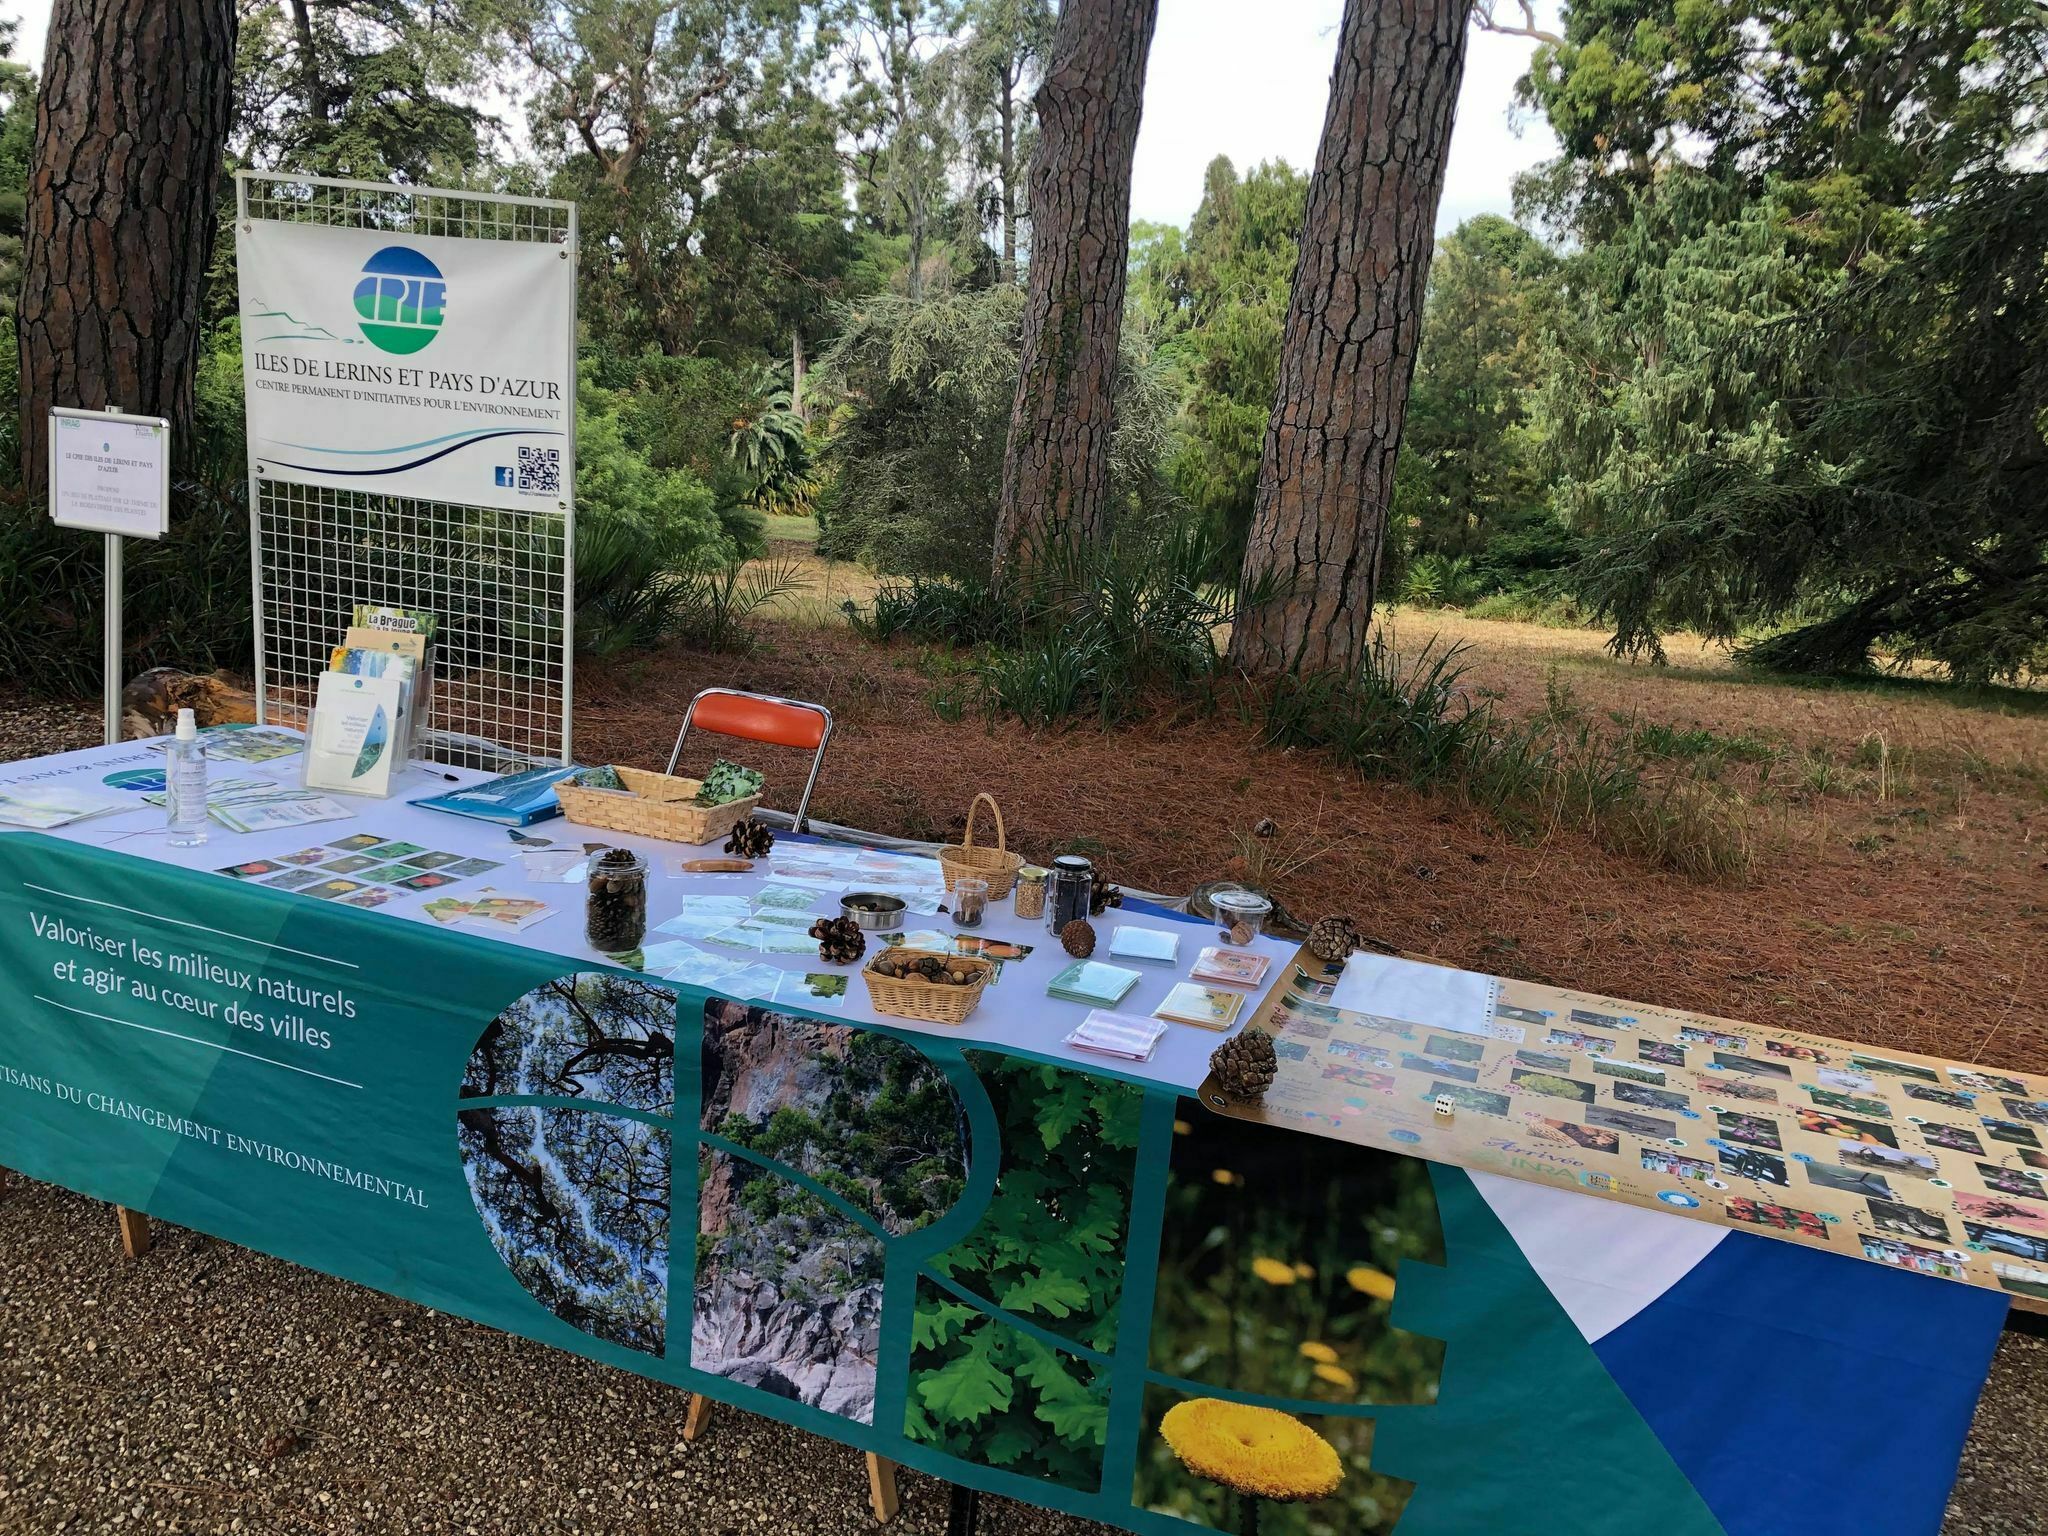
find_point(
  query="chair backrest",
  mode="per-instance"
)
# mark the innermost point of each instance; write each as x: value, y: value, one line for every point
x: 764, y: 718
x: 758, y: 717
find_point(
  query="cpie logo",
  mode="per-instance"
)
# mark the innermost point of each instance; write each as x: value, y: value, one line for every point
x: 400, y: 300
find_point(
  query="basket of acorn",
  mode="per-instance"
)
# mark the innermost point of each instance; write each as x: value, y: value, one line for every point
x: 925, y: 984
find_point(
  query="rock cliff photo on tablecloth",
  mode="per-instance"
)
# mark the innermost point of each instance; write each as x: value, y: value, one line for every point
x: 789, y: 1270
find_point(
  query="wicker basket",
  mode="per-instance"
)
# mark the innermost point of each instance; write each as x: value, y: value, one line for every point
x: 653, y: 805
x: 931, y: 1001
x: 997, y: 865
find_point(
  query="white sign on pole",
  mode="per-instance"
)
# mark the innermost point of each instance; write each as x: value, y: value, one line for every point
x: 110, y: 473
x: 411, y: 365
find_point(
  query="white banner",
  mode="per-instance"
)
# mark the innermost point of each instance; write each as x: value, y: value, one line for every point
x: 413, y: 365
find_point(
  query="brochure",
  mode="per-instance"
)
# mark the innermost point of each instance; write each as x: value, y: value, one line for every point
x: 516, y: 799
x: 241, y: 743
x: 54, y: 807
x: 1129, y: 943
x: 1128, y: 1036
x: 1232, y: 967
x: 1208, y: 1007
x: 353, y: 746
x: 1092, y: 981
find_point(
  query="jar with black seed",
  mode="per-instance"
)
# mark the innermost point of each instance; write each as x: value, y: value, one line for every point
x: 615, y: 904
x: 1068, y: 887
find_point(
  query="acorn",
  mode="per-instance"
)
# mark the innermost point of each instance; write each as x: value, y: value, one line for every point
x: 1078, y: 938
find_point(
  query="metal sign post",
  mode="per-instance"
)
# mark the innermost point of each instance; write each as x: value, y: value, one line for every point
x: 112, y: 697
x: 111, y: 472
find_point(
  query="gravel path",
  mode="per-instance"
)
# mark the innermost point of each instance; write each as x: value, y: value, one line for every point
x: 212, y: 1390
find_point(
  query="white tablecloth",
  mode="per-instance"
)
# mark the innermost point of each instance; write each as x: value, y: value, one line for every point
x: 1015, y: 1011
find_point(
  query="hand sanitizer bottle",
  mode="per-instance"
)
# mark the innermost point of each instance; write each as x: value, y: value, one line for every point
x: 185, y: 781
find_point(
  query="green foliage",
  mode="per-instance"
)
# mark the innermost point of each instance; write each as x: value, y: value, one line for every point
x: 17, y: 143
x: 921, y: 397
x: 640, y: 531
x: 724, y: 781
x: 1216, y: 302
x: 1908, y: 504
x: 1471, y: 510
x: 1788, y: 385
x: 1049, y: 1250
x: 366, y: 88
x: 1084, y: 631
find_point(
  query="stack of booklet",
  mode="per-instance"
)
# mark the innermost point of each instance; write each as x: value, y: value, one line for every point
x: 1191, y: 1003
x: 373, y: 691
x: 1093, y: 982
x: 1129, y: 943
x: 1127, y: 1036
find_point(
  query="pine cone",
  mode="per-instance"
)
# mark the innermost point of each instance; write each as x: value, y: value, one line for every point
x: 750, y: 840
x: 1332, y: 938
x: 1244, y: 1067
x: 840, y: 940
x: 1102, y: 897
x: 1078, y: 938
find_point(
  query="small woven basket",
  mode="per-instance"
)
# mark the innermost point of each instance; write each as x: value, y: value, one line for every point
x: 653, y: 805
x: 997, y: 865
x: 933, y: 1002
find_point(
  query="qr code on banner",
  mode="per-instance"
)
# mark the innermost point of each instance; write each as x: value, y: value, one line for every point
x: 540, y: 469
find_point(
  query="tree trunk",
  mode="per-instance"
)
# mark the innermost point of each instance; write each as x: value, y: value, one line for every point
x: 1326, y: 473
x: 1006, y: 114
x: 1056, y: 464
x: 131, y: 122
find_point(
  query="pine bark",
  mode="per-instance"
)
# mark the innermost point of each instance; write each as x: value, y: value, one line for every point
x: 1056, y: 464
x: 1326, y: 472
x: 131, y: 124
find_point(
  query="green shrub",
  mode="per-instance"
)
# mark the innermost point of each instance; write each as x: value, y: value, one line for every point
x: 186, y: 596
x: 922, y: 394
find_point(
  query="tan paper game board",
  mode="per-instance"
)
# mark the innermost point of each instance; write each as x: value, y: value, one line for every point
x: 1906, y: 1160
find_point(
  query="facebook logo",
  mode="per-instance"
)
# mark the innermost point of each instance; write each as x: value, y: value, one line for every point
x: 505, y: 475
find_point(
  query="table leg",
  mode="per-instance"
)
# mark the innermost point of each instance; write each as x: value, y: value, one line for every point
x: 961, y: 1511
x: 134, y: 1231
x: 882, y: 1488
x: 694, y: 1417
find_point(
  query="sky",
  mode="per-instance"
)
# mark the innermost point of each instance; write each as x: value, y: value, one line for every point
x: 1251, y: 82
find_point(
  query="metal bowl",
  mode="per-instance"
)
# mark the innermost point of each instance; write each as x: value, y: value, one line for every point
x: 873, y: 910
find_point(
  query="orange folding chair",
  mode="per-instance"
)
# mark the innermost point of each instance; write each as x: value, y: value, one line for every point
x: 764, y: 718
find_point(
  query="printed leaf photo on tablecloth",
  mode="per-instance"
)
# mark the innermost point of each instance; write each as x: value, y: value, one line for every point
x: 576, y: 1197
x: 1014, y: 1321
x: 821, y: 1143
x: 1281, y: 1286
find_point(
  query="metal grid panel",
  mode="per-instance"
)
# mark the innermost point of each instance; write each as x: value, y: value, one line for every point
x: 501, y: 583
x: 495, y: 579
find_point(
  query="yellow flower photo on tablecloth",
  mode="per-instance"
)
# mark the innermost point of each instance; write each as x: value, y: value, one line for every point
x: 1280, y: 1285
x: 1243, y: 1467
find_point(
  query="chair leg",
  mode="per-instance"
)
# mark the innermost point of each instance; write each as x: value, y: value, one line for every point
x: 134, y: 1231
x: 882, y: 1488
x: 694, y: 1417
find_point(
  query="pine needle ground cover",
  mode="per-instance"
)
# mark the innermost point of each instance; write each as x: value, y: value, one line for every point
x: 1892, y: 895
